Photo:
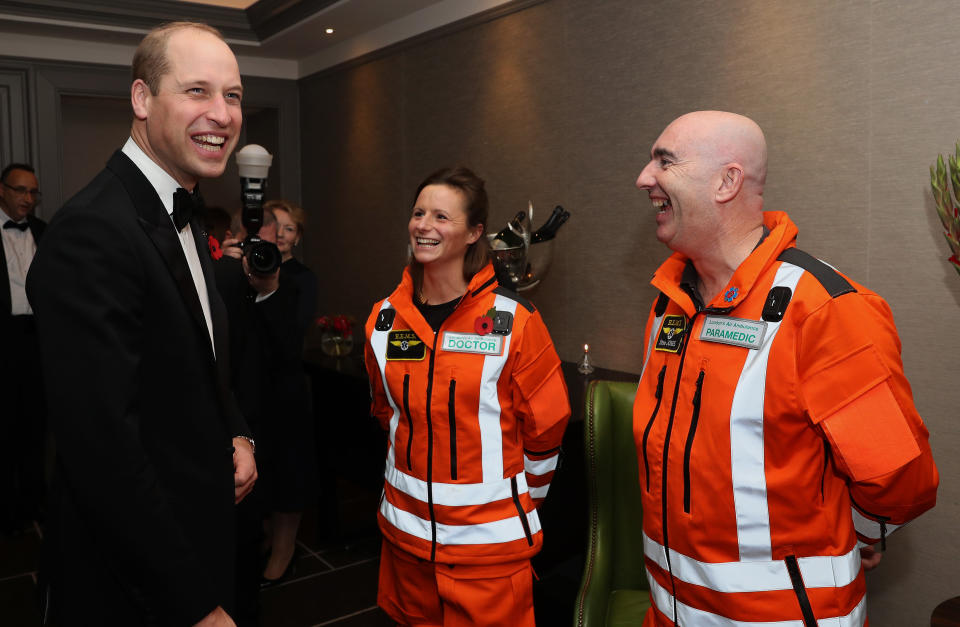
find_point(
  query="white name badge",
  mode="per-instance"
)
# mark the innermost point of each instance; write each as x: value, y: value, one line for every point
x: 735, y: 331
x: 472, y: 343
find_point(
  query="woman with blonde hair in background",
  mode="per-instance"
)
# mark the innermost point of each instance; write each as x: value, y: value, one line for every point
x: 289, y: 457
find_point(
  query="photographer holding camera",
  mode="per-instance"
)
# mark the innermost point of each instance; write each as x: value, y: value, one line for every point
x: 264, y: 347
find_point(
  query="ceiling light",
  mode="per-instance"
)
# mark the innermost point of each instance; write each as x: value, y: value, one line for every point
x: 329, y: 31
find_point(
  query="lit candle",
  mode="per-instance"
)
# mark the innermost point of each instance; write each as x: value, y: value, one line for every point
x: 585, y: 367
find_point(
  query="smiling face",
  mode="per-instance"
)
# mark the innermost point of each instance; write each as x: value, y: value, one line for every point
x: 18, y: 194
x: 680, y: 179
x: 288, y: 235
x: 191, y: 125
x: 439, y: 227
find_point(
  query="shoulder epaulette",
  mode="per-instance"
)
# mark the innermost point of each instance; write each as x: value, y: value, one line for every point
x: 508, y: 293
x: 830, y: 279
x: 661, y: 305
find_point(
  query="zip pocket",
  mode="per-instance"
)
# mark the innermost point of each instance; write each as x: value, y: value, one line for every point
x: 452, y: 411
x: 646, y: 431
x: 689, y: 446
x: 523, y: 514
x: 406, y: 410
x: 793, y: 567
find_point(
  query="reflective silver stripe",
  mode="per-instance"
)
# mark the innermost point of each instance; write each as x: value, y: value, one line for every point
x: 821, y: 571
x: 540, y: 466
x: 491, y: 435
x: 454, y: 494
x: 653, y: 334
x: 746, y: 440
x: 869, y: 528
x: 540, y: 492
x: 693, y: 616
x: 496, y: 532
x: 378, y: 341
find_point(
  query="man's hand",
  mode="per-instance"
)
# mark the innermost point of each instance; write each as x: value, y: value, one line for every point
x: 244, y: 470
x: 262, y: 285
x: 231, y: 246
x: 217, y: 618
x: 870, y: 557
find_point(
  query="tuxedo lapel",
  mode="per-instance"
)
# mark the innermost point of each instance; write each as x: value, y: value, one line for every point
x: 218, y: 312
x: 159, y: 228
x: 36, y: 228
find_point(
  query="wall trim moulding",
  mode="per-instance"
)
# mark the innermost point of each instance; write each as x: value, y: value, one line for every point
x: 133, y: 16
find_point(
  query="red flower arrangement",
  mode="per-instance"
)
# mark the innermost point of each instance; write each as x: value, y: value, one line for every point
x: 340, y: 324
x: 215, y: 251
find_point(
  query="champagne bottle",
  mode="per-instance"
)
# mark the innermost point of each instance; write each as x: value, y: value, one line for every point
x: 549, y: 229
x: 511, y: 236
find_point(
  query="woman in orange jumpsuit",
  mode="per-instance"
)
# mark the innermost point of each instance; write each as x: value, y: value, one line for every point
x: 467, y: 383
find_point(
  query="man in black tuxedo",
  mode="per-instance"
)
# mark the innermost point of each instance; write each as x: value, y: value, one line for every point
x: 21, y: 391
x: 152, y: 452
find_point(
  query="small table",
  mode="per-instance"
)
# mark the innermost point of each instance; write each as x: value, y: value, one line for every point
x: 947, y: 614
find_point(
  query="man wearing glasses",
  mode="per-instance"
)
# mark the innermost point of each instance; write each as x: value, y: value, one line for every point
x: 21, y: 394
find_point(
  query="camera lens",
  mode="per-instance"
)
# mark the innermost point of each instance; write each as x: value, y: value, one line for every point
x: 262, y: 257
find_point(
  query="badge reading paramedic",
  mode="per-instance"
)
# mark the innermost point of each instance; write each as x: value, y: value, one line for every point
x: 404, y: 345
x: 670, y: 338
x: 472, y: 343
x: 735, y: 331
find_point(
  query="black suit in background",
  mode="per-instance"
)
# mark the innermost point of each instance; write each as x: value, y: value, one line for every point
x: 141, y: 520
x: 263, y: 341
x: 22, y: 414
x: 289, y: 462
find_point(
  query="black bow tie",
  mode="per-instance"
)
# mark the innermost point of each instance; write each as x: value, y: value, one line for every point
x: 186, y: 205
x: 21, y: 226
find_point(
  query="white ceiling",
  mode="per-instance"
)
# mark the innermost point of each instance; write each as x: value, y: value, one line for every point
x: 360, y: 27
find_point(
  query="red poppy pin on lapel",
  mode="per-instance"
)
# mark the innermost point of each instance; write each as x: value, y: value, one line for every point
x: 484, y: 324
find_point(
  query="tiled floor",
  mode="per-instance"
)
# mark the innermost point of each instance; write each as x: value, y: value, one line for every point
x: 334, y: 582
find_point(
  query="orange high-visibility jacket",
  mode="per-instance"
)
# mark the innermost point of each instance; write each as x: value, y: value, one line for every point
x: 475, y: 415
x: 774, y: 428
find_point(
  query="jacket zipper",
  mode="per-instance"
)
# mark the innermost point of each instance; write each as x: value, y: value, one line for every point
x: 796, y: 579
x: 646, y: 432
x: 430, y: 509
x: 433, y: 518
x: 406, y: 410
x: 881, y: 520
x: 687, y: 449
x: 452, y: 411
x: 666, y: 454
x: 520, y: 512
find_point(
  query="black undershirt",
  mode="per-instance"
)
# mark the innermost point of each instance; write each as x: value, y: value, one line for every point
x: 436, y: 314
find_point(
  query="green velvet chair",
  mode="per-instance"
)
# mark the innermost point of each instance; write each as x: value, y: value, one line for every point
x: 614, y: 590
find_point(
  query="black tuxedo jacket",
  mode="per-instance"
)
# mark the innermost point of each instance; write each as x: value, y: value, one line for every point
x: 36, y: 228
x: 141, y: 527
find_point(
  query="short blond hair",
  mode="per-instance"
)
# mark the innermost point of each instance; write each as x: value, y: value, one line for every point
x: 297, y: 214
x: 150, y: 61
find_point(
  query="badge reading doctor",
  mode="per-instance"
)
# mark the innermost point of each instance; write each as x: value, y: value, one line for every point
x: 404, y: 345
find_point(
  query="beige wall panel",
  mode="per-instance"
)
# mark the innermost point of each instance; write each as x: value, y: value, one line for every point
x: 915, y: 114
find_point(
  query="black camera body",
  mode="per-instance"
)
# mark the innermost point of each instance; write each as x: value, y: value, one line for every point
x: 263, y: 258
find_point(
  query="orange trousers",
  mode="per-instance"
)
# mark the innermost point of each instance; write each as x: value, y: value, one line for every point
x: 418, y: 593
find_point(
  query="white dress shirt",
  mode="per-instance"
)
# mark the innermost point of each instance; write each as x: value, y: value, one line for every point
x: 19, y: 248
x: 166, y: 185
